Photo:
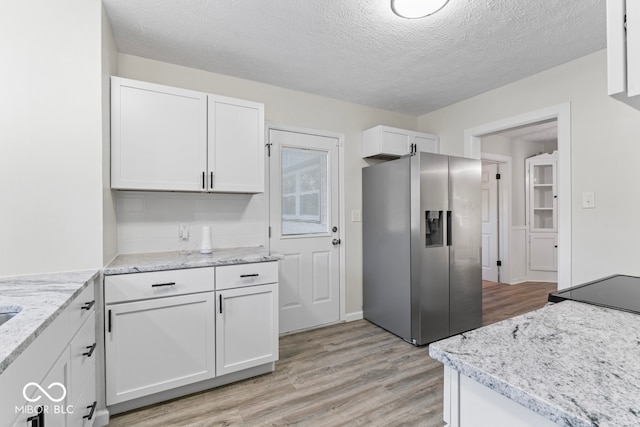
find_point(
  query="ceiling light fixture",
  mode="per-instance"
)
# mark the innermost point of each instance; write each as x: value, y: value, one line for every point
x: 416, y: 8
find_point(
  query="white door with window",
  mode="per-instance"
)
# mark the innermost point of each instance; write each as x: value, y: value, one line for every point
x: 490, y: 222
x: 304, y: 221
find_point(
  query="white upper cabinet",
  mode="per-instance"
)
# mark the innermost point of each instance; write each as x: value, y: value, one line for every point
x: 389, y: 142
x: 236, y: 145
x: 170, y: 139
x: 623, y: 50
x: 158, y: 137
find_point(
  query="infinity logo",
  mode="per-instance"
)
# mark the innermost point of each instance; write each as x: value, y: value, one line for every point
x: 36, y: 385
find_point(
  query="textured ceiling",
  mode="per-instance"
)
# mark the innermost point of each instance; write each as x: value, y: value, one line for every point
x: 358, y: 50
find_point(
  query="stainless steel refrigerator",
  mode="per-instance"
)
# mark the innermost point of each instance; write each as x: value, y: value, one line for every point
x: 422, y: 278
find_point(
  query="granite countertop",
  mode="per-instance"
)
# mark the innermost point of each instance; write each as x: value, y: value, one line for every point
x: 573, y: 363
x: 42, y: 297
x: 158, y: 261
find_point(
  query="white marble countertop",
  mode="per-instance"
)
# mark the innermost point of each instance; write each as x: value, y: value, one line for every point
x: 41, y: 298
x: 158, y: 261
x: 573, y: 363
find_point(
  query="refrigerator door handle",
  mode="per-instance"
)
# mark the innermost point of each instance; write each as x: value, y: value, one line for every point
x: 449, y: 235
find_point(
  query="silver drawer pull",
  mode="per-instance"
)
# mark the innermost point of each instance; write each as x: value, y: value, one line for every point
x: 157, y: 285
x: 243, y: 276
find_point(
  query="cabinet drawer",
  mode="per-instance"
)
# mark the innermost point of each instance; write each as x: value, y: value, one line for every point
x: 235, y: 276
x: 84, y: 409
x: 83, y: 356
x: 156, y: 284
x: 82, y: 306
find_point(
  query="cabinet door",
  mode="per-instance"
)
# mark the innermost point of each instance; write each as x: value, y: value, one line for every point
x: 83, y: 356
x: 84, y: 409
x: 158, y: 137
x: 385, y: 141
x: 235, y: 145
x: 543, y: 200
x: 56, y: 410
x: 246, y: 327
x: 159, y: 344
x: 633, y: 50
x: 426, y: 143
x: 48, y: 400
x: 543, y: 251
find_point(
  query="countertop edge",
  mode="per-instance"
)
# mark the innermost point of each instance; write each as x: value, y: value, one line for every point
x: 20, y: 348
x: 163, y: 261
x: 534, y: 403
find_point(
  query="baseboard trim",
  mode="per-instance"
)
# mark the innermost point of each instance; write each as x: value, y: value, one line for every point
x: 101, y: 419
x: 351, y: 317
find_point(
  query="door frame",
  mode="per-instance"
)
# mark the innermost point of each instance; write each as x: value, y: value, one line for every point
x: 562, y: 113
x: 341, y: 198
x: 504, y: 213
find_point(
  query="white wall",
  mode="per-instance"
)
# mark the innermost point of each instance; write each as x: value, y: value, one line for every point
x: 148, y: 222
x: 109, y: 68
x: 605, y: 146
x: 281, y: 106
x: 50, y: 136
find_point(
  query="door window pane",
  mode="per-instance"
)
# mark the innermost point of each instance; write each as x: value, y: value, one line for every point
x: 304, y: 191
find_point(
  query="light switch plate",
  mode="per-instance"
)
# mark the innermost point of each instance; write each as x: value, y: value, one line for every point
x: 356, y: 216
x: 588, y: 200
x: 183, y: 231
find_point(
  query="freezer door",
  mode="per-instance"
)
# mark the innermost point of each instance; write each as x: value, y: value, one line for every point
x: 464, y: 238
x: 430, y: 263
x: 386, y: 246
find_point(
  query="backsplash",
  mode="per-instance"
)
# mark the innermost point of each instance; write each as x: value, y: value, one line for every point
x: 149, y: 222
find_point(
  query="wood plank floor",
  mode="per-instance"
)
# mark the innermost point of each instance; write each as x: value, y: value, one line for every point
x: 350, y: 374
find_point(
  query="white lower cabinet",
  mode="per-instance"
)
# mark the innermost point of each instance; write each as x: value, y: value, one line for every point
x: 246, y: 327
x: 167, y: 330
x: 85, y: 407
x: 158, y: 344
x: 60, y: 362
x: 543, y: 251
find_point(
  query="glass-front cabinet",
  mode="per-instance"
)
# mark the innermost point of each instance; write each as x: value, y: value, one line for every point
x: 543, y: 199
x: 542, y: 212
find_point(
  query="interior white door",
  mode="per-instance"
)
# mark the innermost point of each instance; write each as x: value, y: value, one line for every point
x: 490, y: 222
x: 304, y: 220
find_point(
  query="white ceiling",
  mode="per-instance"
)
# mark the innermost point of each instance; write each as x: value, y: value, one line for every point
x: 358, y: 50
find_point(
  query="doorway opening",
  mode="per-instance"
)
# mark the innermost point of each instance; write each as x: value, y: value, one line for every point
x: 531, y: 242
x: 534, y: 232
x: 496, y: 196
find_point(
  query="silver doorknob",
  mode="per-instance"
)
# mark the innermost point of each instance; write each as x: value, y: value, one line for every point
x: 336, y: 242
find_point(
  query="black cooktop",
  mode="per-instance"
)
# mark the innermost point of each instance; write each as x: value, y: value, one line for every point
x: 619, y: 292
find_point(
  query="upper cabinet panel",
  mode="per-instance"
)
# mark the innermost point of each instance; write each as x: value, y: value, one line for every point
x: 389, y: 142
x: 236, y: 145
x: 170, y: 139
x: 158, y: 137
x: 623, y: 50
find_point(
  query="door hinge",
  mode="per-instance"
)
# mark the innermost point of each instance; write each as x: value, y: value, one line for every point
x: 497, y: 176
x: 499, y: 263
x: 268, y: 144
x: 269, y: 231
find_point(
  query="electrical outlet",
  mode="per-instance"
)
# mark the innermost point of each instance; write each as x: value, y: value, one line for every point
x: 183, y: 231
